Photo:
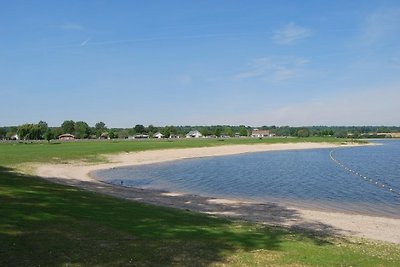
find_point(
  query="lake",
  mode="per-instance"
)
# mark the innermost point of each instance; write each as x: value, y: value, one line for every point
x: 362, y: 180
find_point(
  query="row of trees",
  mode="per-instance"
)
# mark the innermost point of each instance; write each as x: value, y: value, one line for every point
x: 81, y: 130
x: 41, y: 130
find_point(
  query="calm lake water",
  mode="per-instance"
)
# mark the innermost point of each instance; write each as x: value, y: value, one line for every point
x: 303, y: 178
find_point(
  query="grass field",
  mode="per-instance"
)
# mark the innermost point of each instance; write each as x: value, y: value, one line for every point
x: 46, y: 224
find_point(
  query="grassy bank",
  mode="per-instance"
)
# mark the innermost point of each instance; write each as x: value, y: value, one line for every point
x: 45, y: 224
x: 16, y: 153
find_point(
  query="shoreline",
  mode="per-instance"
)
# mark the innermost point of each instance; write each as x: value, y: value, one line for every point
x: 323, y: 222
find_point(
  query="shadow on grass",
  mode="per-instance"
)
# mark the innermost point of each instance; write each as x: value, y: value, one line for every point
x: 50, y: 224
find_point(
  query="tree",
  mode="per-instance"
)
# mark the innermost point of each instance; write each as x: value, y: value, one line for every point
x: 30, y: 132
x: 100, y: 128
x: 383, y: 129
x: 37, y: 132
x: 43, y: 126
x: 173, y: 130
x: 151, y: 129
x: 167, y: 131
x: 11, y: 131
x: 139, y: 129
x: 112, y: 134
x: 228, y: 131
x: 243, y: 131
x: 3, y: 133
x: 283, y: 131
x: 205, y: 131
x: 122, y: 133
x: 82, y: 129
x: 48, y: 135
x: 326, y: 133
x: 217, y: 131
x: 57, y: 132
x: 100, y: 125
x: 341, y: 134
x: 24, y: 131
x: 356, y: 134
x: 303, y: 132
x: 293, y: 131
x: 68, y: 126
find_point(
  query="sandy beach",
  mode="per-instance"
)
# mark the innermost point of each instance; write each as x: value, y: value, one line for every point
x: 322, y: 222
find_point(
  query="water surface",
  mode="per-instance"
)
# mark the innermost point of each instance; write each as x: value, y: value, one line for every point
x: 304, y: 178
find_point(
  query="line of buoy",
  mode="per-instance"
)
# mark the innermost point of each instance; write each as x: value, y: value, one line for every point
x: 377, y: 183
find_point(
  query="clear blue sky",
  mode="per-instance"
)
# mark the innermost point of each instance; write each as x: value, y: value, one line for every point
x: 200, y: 62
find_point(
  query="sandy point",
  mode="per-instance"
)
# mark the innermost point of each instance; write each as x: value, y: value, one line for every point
x: 323, y: 222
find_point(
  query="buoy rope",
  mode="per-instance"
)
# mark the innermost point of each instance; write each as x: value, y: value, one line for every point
x: 377, y: 183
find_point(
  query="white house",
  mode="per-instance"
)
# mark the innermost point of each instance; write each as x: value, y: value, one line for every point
x: 66, y: 137
x: 260, y: 133
x: 14, y: 137
x: 193, y: 134
x: 158, y: 135
x: 141, y: 136
x: 104, y: 135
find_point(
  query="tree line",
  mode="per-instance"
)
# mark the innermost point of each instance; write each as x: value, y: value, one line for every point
x: 81, y: 130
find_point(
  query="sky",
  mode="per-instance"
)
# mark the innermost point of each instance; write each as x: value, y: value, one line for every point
x: 208, y: 62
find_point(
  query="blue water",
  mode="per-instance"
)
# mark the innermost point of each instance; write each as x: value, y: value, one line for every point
x: 304, y: 178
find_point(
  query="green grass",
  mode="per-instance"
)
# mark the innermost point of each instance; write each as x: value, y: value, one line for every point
x: 16, y: 153
x: 45, y: 224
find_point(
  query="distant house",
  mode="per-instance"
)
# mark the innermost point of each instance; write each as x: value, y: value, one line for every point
x: 141, y: 136
x: 391, y: 135
x: 193, y: 134
x: 158, y: 135
x: 173, y: 136
x: 66, y: 137
x: 256, y: 133
x: 14, y: 137
x: 104, y: 136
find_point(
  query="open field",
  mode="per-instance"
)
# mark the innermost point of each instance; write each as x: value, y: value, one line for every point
x: 49, y: 224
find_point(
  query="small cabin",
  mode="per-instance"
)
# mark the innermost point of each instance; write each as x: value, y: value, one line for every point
x: 104, y: 136
x: 66, y: 137
x: 256, y: 133
x: 193, y: 134
x: 14, y: 137
x: 158, y: 135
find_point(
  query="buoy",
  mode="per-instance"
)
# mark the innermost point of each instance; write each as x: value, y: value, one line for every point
x: 377, y: 183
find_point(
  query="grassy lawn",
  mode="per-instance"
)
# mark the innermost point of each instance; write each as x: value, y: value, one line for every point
x: 46, y: 224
